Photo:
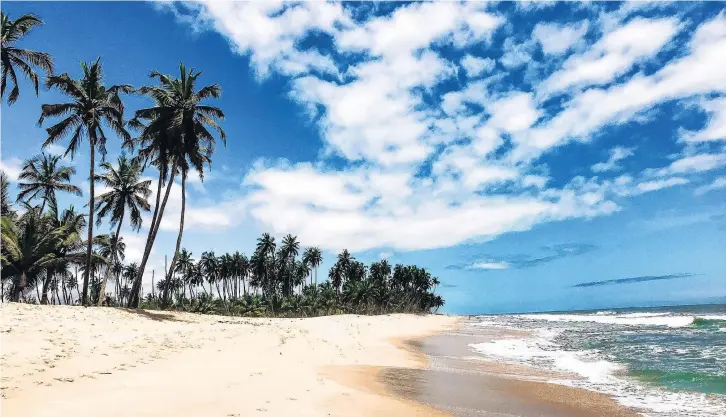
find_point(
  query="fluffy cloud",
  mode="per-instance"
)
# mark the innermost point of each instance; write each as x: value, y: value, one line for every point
x: 558, y: 39
x: 475, y: 66
x: 426, y: 161
x: 615, y: 53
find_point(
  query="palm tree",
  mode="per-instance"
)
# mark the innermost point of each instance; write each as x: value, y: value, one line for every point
x: 209, y: 264
x: 6, y: 206
x: 313, y: 257
x: 12, y: 57
x: 27, y: 248
x: 177, y: 135
x: 92, y: 106
x: 69, y: 248
x: 289, y: 250
x: 128, y: 191
x: 45, y: 176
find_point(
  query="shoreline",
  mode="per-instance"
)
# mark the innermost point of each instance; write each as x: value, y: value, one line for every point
x: 457, y: 385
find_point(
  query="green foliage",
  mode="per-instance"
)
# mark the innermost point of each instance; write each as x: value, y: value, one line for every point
x: 272, y: 283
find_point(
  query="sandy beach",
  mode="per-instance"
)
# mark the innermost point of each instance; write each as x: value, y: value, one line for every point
x: 60, y: 361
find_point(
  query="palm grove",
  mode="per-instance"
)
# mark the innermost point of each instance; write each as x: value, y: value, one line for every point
x: 53, y: 256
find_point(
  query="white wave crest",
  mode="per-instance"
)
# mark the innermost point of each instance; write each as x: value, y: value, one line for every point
x: 625, y: 320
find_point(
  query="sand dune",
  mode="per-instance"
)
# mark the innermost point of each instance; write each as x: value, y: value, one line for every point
x: 62, y: 360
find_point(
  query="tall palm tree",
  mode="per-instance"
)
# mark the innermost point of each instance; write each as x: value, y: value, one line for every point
x: 289, y: 250
x: 45, y: 176
x: 24, y: 59
x: 92, y: 106
x: 313, y: 257
x: 176, y: 134
x: 128, y: 191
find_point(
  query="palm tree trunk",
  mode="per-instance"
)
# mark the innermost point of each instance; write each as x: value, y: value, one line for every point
x: 181, y: 231
x: 109, y: 267
x: 156, y: 221
x: 89, y: 247
x: 20, y: 285
x: 46, y: 283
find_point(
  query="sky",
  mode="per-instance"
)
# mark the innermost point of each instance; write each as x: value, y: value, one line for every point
x: 533, y: 156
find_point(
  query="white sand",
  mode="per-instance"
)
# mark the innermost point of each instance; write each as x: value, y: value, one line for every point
x: 62, y: 361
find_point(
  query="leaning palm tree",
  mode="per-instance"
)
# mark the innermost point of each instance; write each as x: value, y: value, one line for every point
x: 92, y: 106
x: 45, y: 176
x: 128, y: 191
x: 175, y: 133
x: 23, y: 59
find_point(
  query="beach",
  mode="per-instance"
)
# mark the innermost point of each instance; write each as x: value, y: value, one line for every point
x: 62, y: 360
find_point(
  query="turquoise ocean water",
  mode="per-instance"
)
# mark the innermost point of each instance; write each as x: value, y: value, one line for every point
x: 665, y: 361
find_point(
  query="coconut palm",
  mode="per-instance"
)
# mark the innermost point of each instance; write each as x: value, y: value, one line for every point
x: 69, y: 248
x: 92, y: 106
x: 6, y: 206
x: 44, y: 176
x: 13, y: 58
x: 313, y: 257
x: 27, y: 248
x: 175, y: 133
x: 128, y: 191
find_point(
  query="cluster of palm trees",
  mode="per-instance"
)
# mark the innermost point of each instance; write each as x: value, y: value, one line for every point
x: 273, y: 281
x: 173, y: 136
x: 44, y: 249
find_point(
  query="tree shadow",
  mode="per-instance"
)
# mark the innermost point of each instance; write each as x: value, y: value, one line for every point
x: 151, y: 315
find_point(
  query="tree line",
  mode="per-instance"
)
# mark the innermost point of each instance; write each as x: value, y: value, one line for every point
x: 44, y: 249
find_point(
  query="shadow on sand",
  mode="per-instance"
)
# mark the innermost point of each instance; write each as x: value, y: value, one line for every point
x: 151, y: 315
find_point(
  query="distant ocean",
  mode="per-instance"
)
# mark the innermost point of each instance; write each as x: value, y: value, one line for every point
x: 666, y: 361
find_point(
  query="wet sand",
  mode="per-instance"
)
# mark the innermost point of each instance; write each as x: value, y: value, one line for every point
x: 457, y: 384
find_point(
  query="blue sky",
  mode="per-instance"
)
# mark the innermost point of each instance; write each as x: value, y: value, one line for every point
x: 514, y: 149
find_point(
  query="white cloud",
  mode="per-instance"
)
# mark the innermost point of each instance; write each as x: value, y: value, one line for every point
x: 489, y: 265
x: 558, y: 39
x: 694, y: 163
x: 475, y: 66
x: 655, y: 185
x: 687, y: 76
x: 416, y: 175
x: 617, y: 154
x: 615, y: 53
x: 717, y: 184
x: 515, y: 54
x: 716, y: 127
x: 12, y: 168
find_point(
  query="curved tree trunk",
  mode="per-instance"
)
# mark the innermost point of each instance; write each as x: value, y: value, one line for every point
x: 109, y: 267
x: 153, y: 229
x: 89, y: 247
x: 178, y: 238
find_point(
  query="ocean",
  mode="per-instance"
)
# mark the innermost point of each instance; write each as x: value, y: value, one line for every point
x: 665, y: 361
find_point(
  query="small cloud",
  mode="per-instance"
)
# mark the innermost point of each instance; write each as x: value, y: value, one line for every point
x: 448, y: 286
x: 617, y: 154
x: 12, y: 168
x: 717, y: 184
x: 489, y: 265
x: 520, y: 261
x: 632, y: 280
x: 385, y: 255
